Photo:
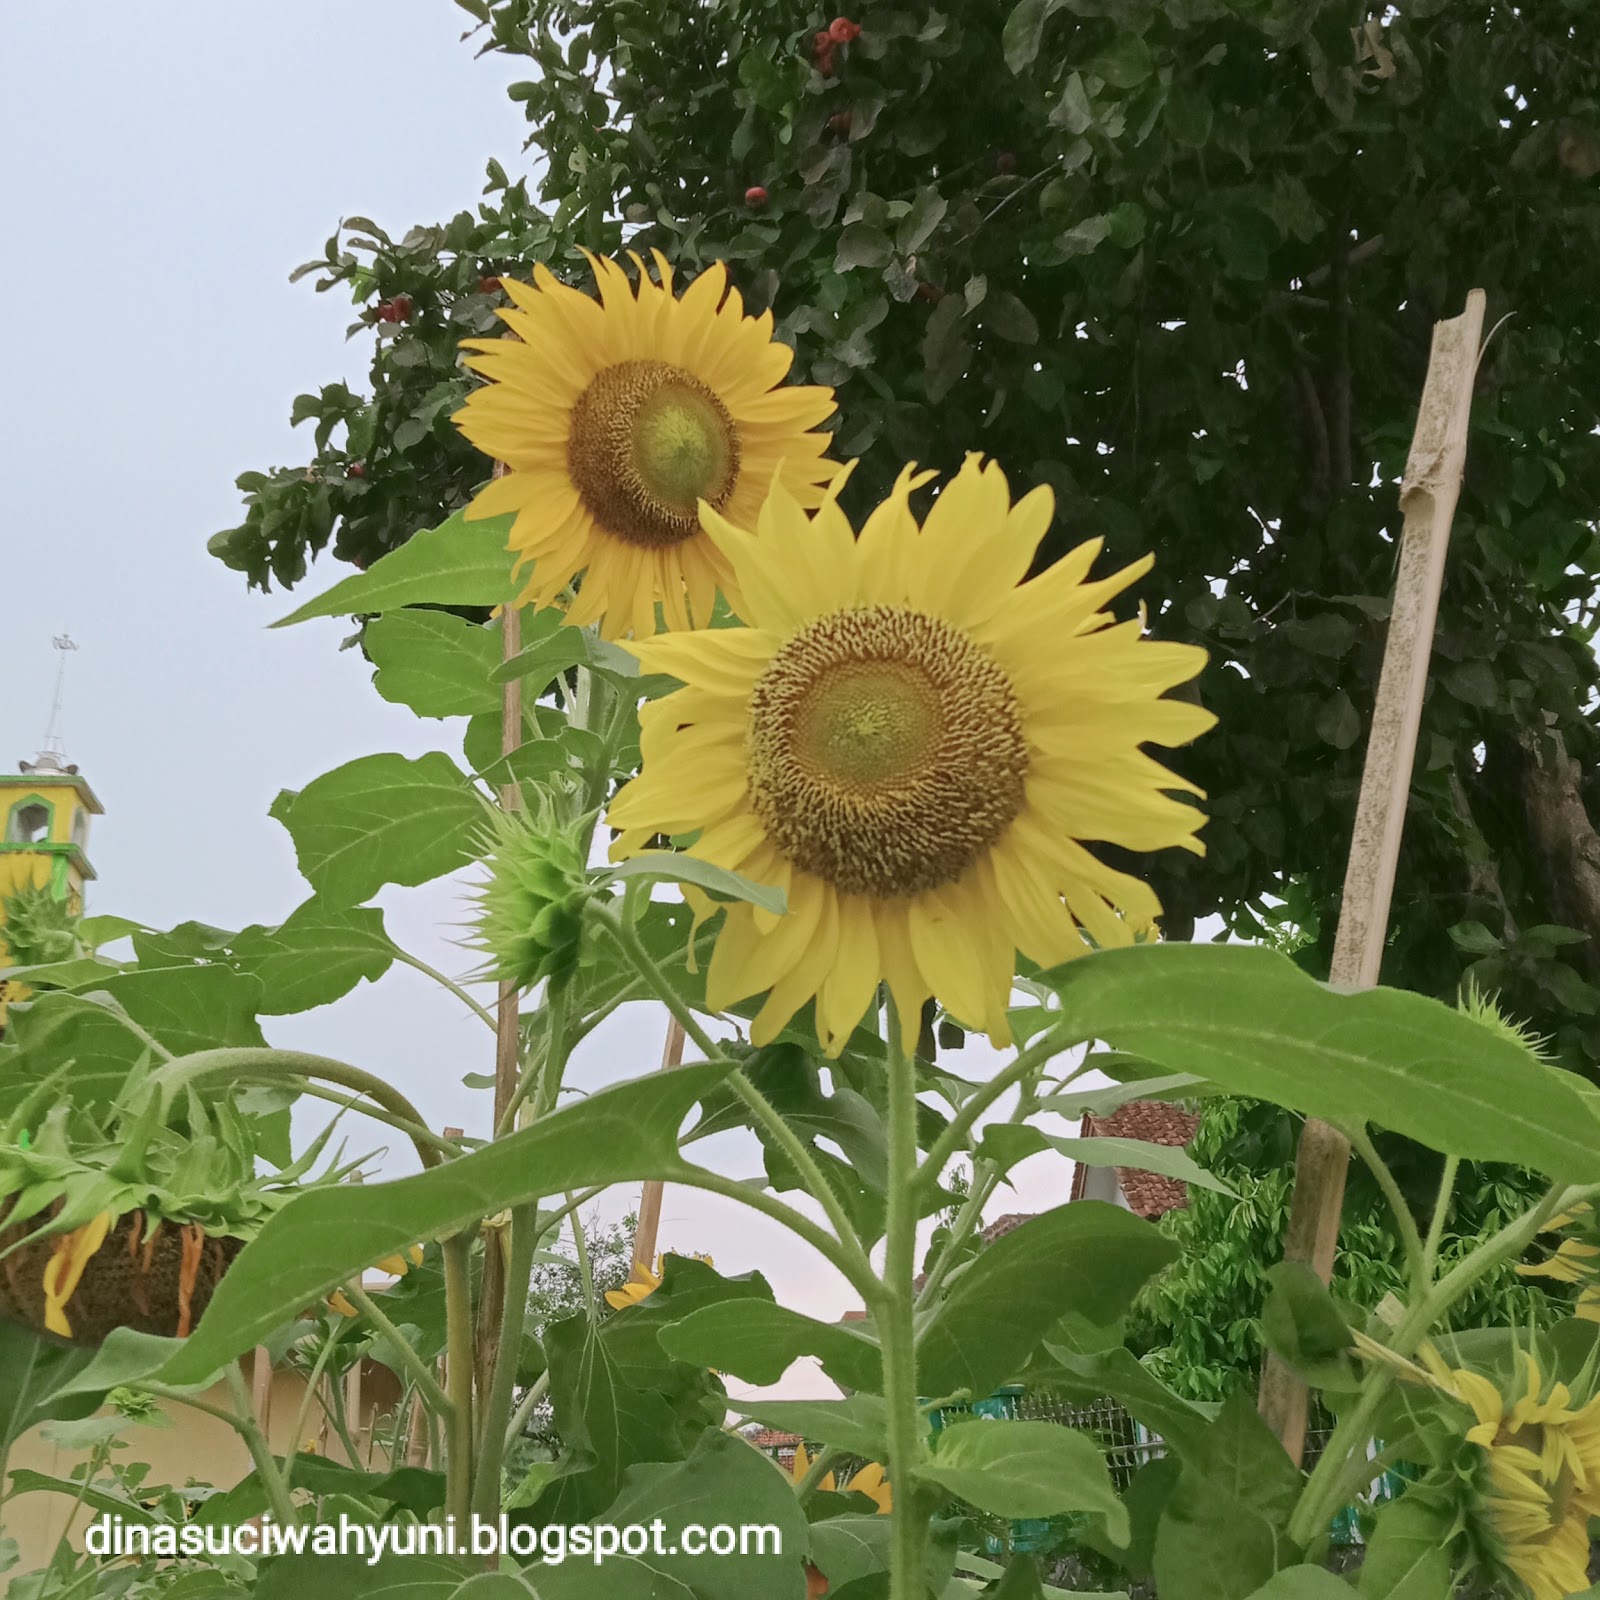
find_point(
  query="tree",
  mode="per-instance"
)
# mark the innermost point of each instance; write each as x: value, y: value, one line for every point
x: 1183, y: 267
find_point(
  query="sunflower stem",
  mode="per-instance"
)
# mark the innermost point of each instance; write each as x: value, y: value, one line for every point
x: 243, y: 1421
x: 815, y: 1473
x: 458, y: 1321
x: 1441, y: 1212
x: 497, y: 1405
x: 1416, y: 1258
x: 419, y: 965
x: 896, y: 1329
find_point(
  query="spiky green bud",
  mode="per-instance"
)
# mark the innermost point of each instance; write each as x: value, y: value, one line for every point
x: 530, y: 911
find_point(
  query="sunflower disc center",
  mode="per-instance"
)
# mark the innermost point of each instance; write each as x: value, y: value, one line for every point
x: 886, y: 752
x: 648, y: 441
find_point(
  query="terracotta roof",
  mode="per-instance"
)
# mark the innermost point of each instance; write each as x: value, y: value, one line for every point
x: 1001, y: 1226
x: 773, y: 1439
x: 1156, y: 1122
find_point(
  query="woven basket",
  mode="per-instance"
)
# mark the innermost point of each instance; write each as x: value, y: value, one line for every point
x: 136, y: 1279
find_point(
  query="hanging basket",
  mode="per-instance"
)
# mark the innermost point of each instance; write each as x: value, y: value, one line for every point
x: 152, y: 1278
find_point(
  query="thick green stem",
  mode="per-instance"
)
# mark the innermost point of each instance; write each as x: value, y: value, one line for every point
x: 537, y: 1390
x: 984, y: 1184
x: 308, y: 1399
x: 896, y: 1329
x: 458, y: 1322
x: 243, y: 1421
x: 414, y: 1131
x: 1361, y: 1143
x: 1441, y: 1212
x: 952, y: 1141
x: 768, y: 1119
x: 815, y: 1473
x: 418, y: 1369
x: 862, y: 1278
x: 439, y: 978
x: 580, y: 1249
x: 502, y: 1388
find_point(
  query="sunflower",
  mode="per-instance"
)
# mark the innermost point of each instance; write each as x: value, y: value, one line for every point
x: 69, y: 1255
x: 616, y: 417
x: 914, y: 744
x: 642, y: 1283
x: 1542, y: 1473
x: 1576, y: 1260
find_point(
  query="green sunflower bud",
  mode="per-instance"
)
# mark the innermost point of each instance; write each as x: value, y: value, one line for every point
x: 530, y: 911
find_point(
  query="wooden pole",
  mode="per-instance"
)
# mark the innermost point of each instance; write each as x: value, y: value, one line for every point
x: 644, y: 1236
x: 1428, y: 494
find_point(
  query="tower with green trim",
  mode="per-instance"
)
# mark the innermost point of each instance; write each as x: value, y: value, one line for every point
x: 45, y: 807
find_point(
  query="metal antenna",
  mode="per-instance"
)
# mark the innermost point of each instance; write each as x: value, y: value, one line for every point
x: 53, y: 745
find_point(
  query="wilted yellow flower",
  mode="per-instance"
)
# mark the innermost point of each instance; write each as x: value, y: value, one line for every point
x: 1543, y: 1473
x: 1576, y: 1260
x: 643, y: 1283
x: 69, y: 1255
x: 616, y: 418
x: 917, y: 743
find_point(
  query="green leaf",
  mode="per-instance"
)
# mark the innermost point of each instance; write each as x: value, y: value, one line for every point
x: 1252, y: 1022
x: 862, y: 245
x: 190, y: 1008
x: 557, y: 648
x: 1024, y: 31
x: 1119, y: 1373
x: 1127, y: 63
x: 1008, y: 1144
x: 322, y: 1237
x: 56, y: 1030
x: 1475, y: 937
x: 859, y: 1424
x: 1473, y: 683
x: 34, y: 1374
x: 1308, y: 1583
x: 845, y: 1549
x: 379, y: 820
x: 917, y: 225
x: 338, y: 1577
x: 758, y: 1341
x: 1026, y: 1469
x: 318, y: 955
x: 1301, y: 1323
x: 459, y: 563
x: 1073, y: 1105
x: 1004, y: 314
x: 24, y: 1480
x: 674, y: 866
x: 433, y: 662
x: 1088, y: 1256
x: 721, y: 1471
x: 1408, y: 1555
x: 1337, y: 722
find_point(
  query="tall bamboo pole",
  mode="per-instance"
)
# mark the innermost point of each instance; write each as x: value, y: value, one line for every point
x: 1428, y: 494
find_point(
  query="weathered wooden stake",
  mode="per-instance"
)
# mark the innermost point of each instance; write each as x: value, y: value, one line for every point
x: 1428, y: 494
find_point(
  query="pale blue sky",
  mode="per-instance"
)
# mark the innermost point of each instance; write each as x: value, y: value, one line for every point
x: 163, y: 166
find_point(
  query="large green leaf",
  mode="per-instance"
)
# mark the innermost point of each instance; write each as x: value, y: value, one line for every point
x: 859, y: 1424
x: 1312, y: 1583
x: 1088, y: 1257
x: 57, y: 1030
x: 846, y: 1549
x: 338, y: 1577
x: 1119, y: 1373
x: 606, y: 1424
x: 379, y: 820
x: 723, y: 1480
x: 34, y: 1375
x: 190, y: 1008
x: 676, y: 866
x: 324, y: 1236
x: 459, y: 563
x: 1026, y: 1469
x: 1252, y: 1022
x: 319, y: 954
x: 1007, y: 1143
x: 1408, y: 1555
x: 759, y: 1340
x: 434, y: 662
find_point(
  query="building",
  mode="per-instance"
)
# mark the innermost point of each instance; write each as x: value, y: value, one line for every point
x: 45, y: 807
x: 1146, y: 1194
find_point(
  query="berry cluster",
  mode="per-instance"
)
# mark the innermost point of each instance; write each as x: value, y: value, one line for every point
x: 840, y: 31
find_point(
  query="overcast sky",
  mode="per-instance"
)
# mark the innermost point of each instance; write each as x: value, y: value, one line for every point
x: 163, y: 166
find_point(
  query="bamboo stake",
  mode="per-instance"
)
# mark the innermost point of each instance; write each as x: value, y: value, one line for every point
x: 644, y: 1237
x: 1428, y: 494
x: 508, y: 1021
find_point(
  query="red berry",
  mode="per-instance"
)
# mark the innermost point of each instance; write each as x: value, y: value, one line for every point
x: 839, y: 122
x: 842, y: 30
x: 488, y: 285
x: 755, y: 196
x: 402, y: 307
x: 825, y: 63
x: 931, y: 293
x: 356, y: 469
x: 1005, y: 162
x: 386, y: 312
x: 822, y: 43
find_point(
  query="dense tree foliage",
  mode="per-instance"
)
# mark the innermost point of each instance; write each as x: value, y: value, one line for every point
x: 1179, y: 260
